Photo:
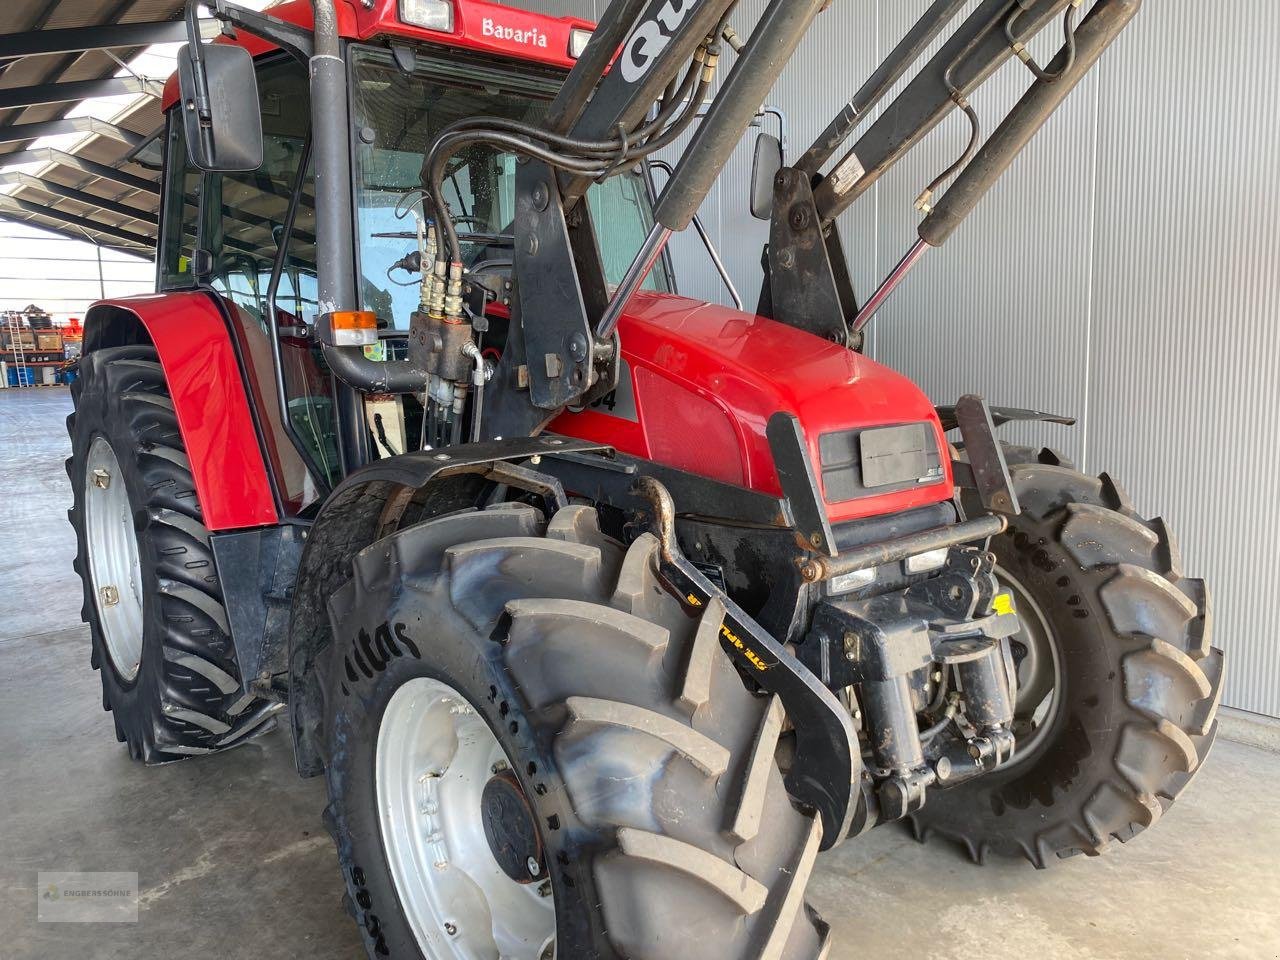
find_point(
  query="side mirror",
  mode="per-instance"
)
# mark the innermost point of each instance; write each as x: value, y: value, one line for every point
x: 764, y: 167
x: 220, y: 111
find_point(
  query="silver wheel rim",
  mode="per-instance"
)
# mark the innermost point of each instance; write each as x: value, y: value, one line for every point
x: 1039, y: 667
x: 115, y: 573
x: 435, y: 754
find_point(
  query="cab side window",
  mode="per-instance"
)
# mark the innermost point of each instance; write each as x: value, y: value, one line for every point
x: 244, y: 219
x: 247, y: 210
x: 180, y: 228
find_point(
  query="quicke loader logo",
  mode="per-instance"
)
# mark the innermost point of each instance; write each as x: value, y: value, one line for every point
x: 370, y: 655
x: 651, y: 38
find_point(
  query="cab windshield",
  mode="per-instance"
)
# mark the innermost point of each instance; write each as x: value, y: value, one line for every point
x: 398, y: 113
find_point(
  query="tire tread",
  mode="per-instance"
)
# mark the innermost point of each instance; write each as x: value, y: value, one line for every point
x: 198, y: 704
x: 1172, y: 676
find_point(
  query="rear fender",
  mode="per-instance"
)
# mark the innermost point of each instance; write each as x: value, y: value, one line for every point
x: 207, y: 385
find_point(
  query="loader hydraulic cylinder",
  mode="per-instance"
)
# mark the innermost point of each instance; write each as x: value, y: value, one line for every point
x: 1095, y: 34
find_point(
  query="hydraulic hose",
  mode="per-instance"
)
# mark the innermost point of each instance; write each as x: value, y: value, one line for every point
x: 597, y: 159
x: 601, y: 157
x: 1096, y: 33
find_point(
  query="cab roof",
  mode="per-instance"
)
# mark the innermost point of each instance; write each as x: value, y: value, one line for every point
x: 478, y: 25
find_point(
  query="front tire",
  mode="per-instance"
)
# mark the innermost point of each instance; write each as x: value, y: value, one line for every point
x: 152, y: 600
x: 640, y: 776
x: 1134, y: 680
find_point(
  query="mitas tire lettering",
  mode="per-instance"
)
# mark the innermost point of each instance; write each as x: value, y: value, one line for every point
x: 658, y: 805
x: 371, y: 654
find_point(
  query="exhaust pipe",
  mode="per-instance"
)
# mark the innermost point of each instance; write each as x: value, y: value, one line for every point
x: 335, y: 228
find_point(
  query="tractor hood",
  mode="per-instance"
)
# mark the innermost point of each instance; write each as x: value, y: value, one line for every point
x: 701, y: 382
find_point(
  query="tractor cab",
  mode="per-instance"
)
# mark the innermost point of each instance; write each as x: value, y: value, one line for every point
x: 250, y: 237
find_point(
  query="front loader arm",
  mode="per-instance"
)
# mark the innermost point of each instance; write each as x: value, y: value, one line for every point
x: 641, y: 81
x: 969, y: 57
x: 802, y: 282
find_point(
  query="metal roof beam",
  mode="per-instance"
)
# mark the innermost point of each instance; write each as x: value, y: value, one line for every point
x: 73, y: 234
x: 75, y: 90
x: 15, y: 205
x: 19, y: 132
x: 91, y: 167
x: 102, y: 37
x: 79, y: 196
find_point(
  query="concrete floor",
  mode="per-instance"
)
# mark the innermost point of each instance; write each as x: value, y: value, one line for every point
x: 234, y: 863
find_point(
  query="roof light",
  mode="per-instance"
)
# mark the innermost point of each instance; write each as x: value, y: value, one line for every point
x: 354, y: 328
x: 431, y: 14
x: 578, y: 38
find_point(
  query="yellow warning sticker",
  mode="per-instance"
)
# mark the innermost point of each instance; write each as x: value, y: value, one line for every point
x: 1002, y: 603
x: 693, y: 600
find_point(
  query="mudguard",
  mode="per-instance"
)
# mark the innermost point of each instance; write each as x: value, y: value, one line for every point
x: 366, y: 506
x: 207, y: 385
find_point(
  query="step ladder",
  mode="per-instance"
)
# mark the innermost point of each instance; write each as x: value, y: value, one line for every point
x: 13, y: 327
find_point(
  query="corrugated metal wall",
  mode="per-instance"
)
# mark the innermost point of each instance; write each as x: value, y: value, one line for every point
x: 1126, y: 271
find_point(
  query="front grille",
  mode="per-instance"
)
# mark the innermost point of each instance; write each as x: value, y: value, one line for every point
x: 867, y: 461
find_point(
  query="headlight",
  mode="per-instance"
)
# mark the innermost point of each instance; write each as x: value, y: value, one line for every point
x: 924, y: 562
x: 578, y: 38
x: 431, y: 14
x: 848, y: 582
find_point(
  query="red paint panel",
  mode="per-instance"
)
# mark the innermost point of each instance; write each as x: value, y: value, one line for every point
x: 687, y: 431
x: 487, y: 27
x: 208, y: 393
x: 751, y: 368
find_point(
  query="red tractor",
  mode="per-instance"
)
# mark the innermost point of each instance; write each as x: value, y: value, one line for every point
x: 602, y: 611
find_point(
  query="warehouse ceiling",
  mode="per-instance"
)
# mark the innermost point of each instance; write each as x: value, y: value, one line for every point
x: 54, y: 56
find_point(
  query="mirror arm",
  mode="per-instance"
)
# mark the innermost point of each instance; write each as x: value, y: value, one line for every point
x: 707, y: 242
x: 199, y: 102
x: 781, y: 117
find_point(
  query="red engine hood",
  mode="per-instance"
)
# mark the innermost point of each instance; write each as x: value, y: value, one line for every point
x: 749, y: 368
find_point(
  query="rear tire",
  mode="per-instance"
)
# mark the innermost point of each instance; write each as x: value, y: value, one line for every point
x: 647, y: 767
x: 1137, y: 679
x: 169, y: 671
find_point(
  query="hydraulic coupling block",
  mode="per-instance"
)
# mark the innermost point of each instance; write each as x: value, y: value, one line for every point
x: 943, y: 638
